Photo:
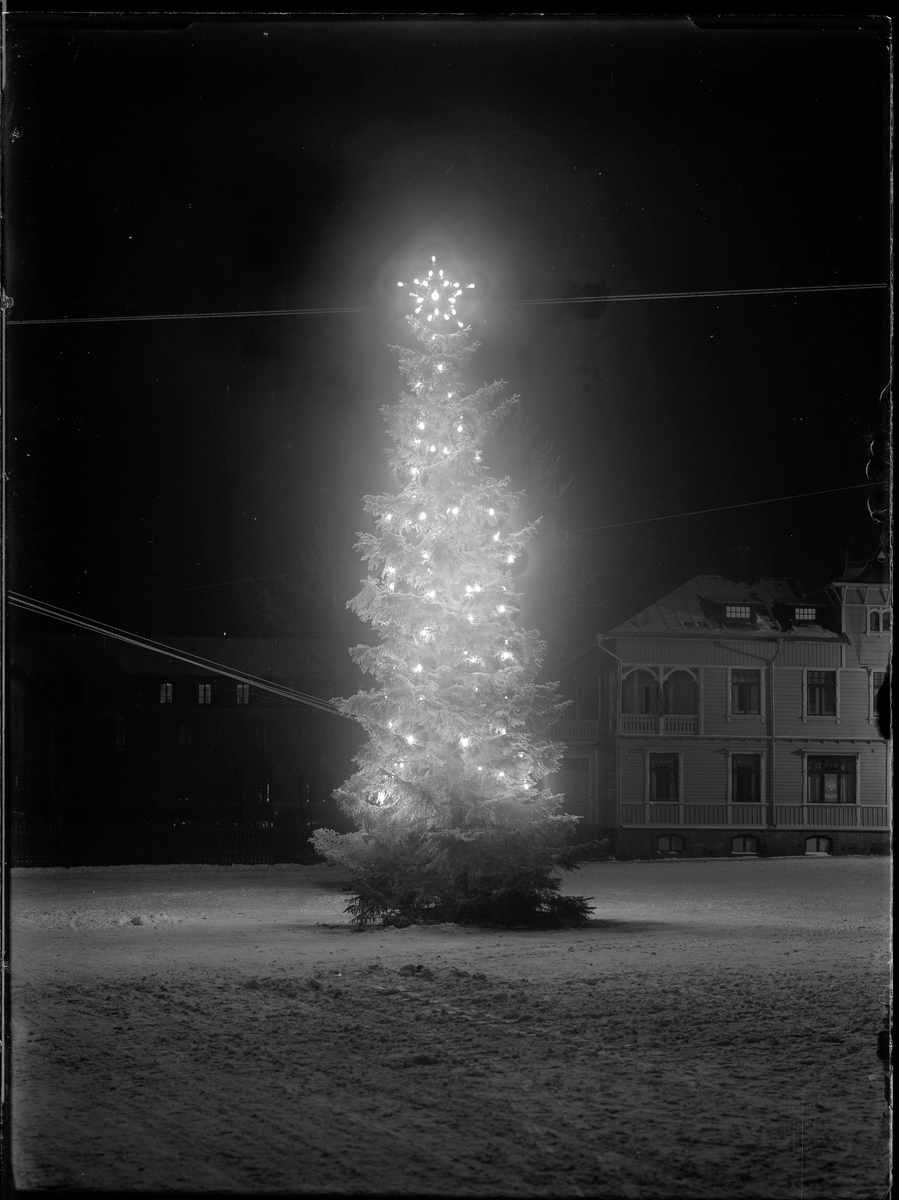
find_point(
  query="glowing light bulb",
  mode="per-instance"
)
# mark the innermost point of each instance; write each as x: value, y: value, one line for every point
x: 456, y: 511
x: 464, y: 742
x: 440, y: 366
x: 421, y: 424
x: 390, y: 724
x: 410, y: 739
x: 418, y: 668
x: 510, y: 558
x: 471, y: 285
x: 382, y: 796
x: 471, y: 618
x: 496, y: 537
x: 435, y: 295
x: 422, y: 516
x: 458, y: 428
x: 476, y: 588
x: 479, y: 768
x: 449, y: 395
x: 433, y: 449
x: 425, y: 557
x: 388, y: 517
x: 431, y: 594
x: 445, y: 449
x: 502, y: 729
x: 501, y: 608
x: 416, y: 442
x: 492, y: 512
x: 501, y: 774
x: 415, y: 471
x: 468, y: 589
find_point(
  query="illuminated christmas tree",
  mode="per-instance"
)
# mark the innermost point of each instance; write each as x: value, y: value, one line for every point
x: 453, y: 821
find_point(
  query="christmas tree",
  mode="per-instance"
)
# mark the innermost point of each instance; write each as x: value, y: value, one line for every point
x: 454, y: 823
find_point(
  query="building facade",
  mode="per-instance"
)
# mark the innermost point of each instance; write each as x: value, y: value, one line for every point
x: 736, y: 719
x: 103, y: 729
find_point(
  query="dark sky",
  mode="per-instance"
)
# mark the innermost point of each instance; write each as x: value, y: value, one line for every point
x: 242, y: 166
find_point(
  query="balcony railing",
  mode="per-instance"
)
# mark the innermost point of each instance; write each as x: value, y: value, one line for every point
x: 747, y: 816
x: 752, y: 816
x: 652, y: 723
x: 831, y: 816
x: 575, y: 731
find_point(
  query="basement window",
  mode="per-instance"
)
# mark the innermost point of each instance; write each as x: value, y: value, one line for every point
x: 671, y: 844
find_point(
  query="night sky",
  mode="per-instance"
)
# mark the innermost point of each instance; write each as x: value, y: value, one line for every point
x: 227, y: 166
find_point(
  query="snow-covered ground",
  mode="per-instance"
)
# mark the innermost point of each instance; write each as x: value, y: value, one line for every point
x: 711, y: 1033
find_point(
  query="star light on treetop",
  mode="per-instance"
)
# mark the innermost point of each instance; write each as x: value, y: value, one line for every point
x: 437, y: 293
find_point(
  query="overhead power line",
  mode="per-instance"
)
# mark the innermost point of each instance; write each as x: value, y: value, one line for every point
x: 199, y: 587
x: 195, y: 660
x: 726, y: 507
x: 323, y: 311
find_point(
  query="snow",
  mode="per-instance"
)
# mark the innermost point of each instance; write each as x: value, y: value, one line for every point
x: 712, y: 1032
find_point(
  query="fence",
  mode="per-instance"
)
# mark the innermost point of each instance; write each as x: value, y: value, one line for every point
x: 119, y: 843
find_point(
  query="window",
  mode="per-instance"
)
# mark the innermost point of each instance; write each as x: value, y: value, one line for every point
x: 263, y: 735
x: 818, y: 845
x: 831, y: 779
x: 671, y: 844
x: 744, y: 845
x: 877, y: 679
x: 663, y: 778
x: 205, y: 693
x: 166, y: 691
x: 886, y: 623
x: 243, y: 693
x: 874, y: 622
x: 185, y: 735
x: 745, y: 691
x: 640, y: 693
x: 821, y: 694
x: 879, y: 620
x: 805, y: 614
x: 746, y: 779
x: 263, y: 793
x: 737, y: 612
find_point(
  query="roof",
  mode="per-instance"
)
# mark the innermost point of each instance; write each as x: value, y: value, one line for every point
x: 697, y: 608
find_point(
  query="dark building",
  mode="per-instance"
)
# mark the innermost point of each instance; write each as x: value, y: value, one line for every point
x: 736, y: 718
x: 103, y: 730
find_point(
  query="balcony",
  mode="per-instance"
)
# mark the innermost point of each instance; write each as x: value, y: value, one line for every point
x: 651, y: 723
x: 831, y: 816
x: 575, y: 731
x: 705, y: 816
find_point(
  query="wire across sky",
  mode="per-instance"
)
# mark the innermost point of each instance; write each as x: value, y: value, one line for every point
x: 323, y: 311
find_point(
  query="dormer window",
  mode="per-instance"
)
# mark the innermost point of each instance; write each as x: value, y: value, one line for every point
x: 805, y: 614
x: 879, y: 620
x: 737, y: 612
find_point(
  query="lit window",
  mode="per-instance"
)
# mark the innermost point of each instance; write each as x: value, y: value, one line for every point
x: 263, y: 735
x: 831, y: 779
x: 663, y: 781
x: 263, y: 793
x: 737, y: 612
x: 205, y: 693
x: 243, y: 693
x: 806, y: 614
x: 185, y: 735
x: 745, y: 691
x: 821, y: 693
x: 746, y: 778
x: 671, y: 844
x: 745, y: 845
x: 166, y: 691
